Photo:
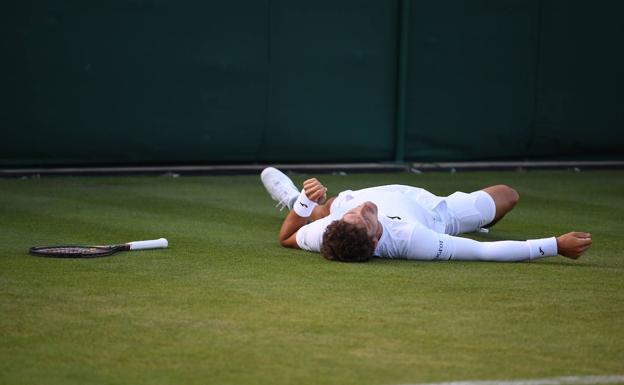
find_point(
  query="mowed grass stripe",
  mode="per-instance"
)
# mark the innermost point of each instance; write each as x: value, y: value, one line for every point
x: 567, y: 380
x: 107, y: 215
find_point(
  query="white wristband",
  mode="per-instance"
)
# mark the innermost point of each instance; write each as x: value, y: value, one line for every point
x: 545, y: 247
x: 304, y: 206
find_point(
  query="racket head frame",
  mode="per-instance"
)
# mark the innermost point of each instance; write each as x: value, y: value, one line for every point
x: 76, y: 251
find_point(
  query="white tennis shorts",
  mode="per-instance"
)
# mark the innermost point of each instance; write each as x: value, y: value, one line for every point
x: 467, y: 212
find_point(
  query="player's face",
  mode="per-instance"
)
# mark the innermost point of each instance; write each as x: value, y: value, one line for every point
x: 364, y: 215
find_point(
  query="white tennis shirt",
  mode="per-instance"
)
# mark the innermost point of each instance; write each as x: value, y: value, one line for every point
x: 414, y: 225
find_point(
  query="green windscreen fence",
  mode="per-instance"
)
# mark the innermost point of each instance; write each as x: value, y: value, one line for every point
x: 158, y: 81
x: 515, y: 79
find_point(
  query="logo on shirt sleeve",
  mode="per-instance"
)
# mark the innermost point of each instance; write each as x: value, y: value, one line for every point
x: 440, y: 249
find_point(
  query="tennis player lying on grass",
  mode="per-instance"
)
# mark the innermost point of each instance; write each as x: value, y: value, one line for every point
x: 399, y: 221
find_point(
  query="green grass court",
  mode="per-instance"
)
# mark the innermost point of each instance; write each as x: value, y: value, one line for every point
x: 226, y: 305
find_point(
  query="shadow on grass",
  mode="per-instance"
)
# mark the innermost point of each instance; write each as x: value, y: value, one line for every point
x: 542, y: 263
x: 577, y: 264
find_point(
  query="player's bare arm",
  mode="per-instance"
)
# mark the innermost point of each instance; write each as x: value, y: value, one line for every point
x: 316, y: 192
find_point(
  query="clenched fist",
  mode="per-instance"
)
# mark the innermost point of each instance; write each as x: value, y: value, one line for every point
x: 574, y: 244
x: 315, y: 191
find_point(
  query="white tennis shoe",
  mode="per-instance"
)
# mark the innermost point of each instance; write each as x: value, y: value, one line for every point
x: 280, y: 187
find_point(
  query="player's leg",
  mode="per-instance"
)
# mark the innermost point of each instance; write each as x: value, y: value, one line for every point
x: 505, y: 199
x: 469, y: 212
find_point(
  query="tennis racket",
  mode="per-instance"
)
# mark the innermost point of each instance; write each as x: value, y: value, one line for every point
x: 75, y: 251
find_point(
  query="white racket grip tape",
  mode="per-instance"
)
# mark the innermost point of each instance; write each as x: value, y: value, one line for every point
x: 160, y: 243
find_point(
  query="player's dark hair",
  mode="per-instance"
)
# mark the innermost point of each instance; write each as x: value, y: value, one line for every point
x: 346, y: 242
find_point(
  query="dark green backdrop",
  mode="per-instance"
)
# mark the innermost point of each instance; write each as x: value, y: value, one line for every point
x: 161, y: 81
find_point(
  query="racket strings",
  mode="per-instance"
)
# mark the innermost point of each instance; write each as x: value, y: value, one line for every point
x: 71, y: 250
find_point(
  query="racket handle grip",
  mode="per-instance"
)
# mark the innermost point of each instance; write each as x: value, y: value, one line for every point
x: 152, y: 244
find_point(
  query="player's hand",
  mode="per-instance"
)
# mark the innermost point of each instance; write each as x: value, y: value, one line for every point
x: 574, y: 244
x: 315, y: 191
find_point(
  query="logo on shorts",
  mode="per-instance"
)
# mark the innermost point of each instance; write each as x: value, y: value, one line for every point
x: 541, y: 251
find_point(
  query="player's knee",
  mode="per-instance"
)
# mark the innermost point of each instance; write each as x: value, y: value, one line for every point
x: 513, y: 196
x: 505, y: 197
x: 509, y: 198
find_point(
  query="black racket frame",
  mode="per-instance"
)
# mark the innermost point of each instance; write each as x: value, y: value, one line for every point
x: 76, y: 251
